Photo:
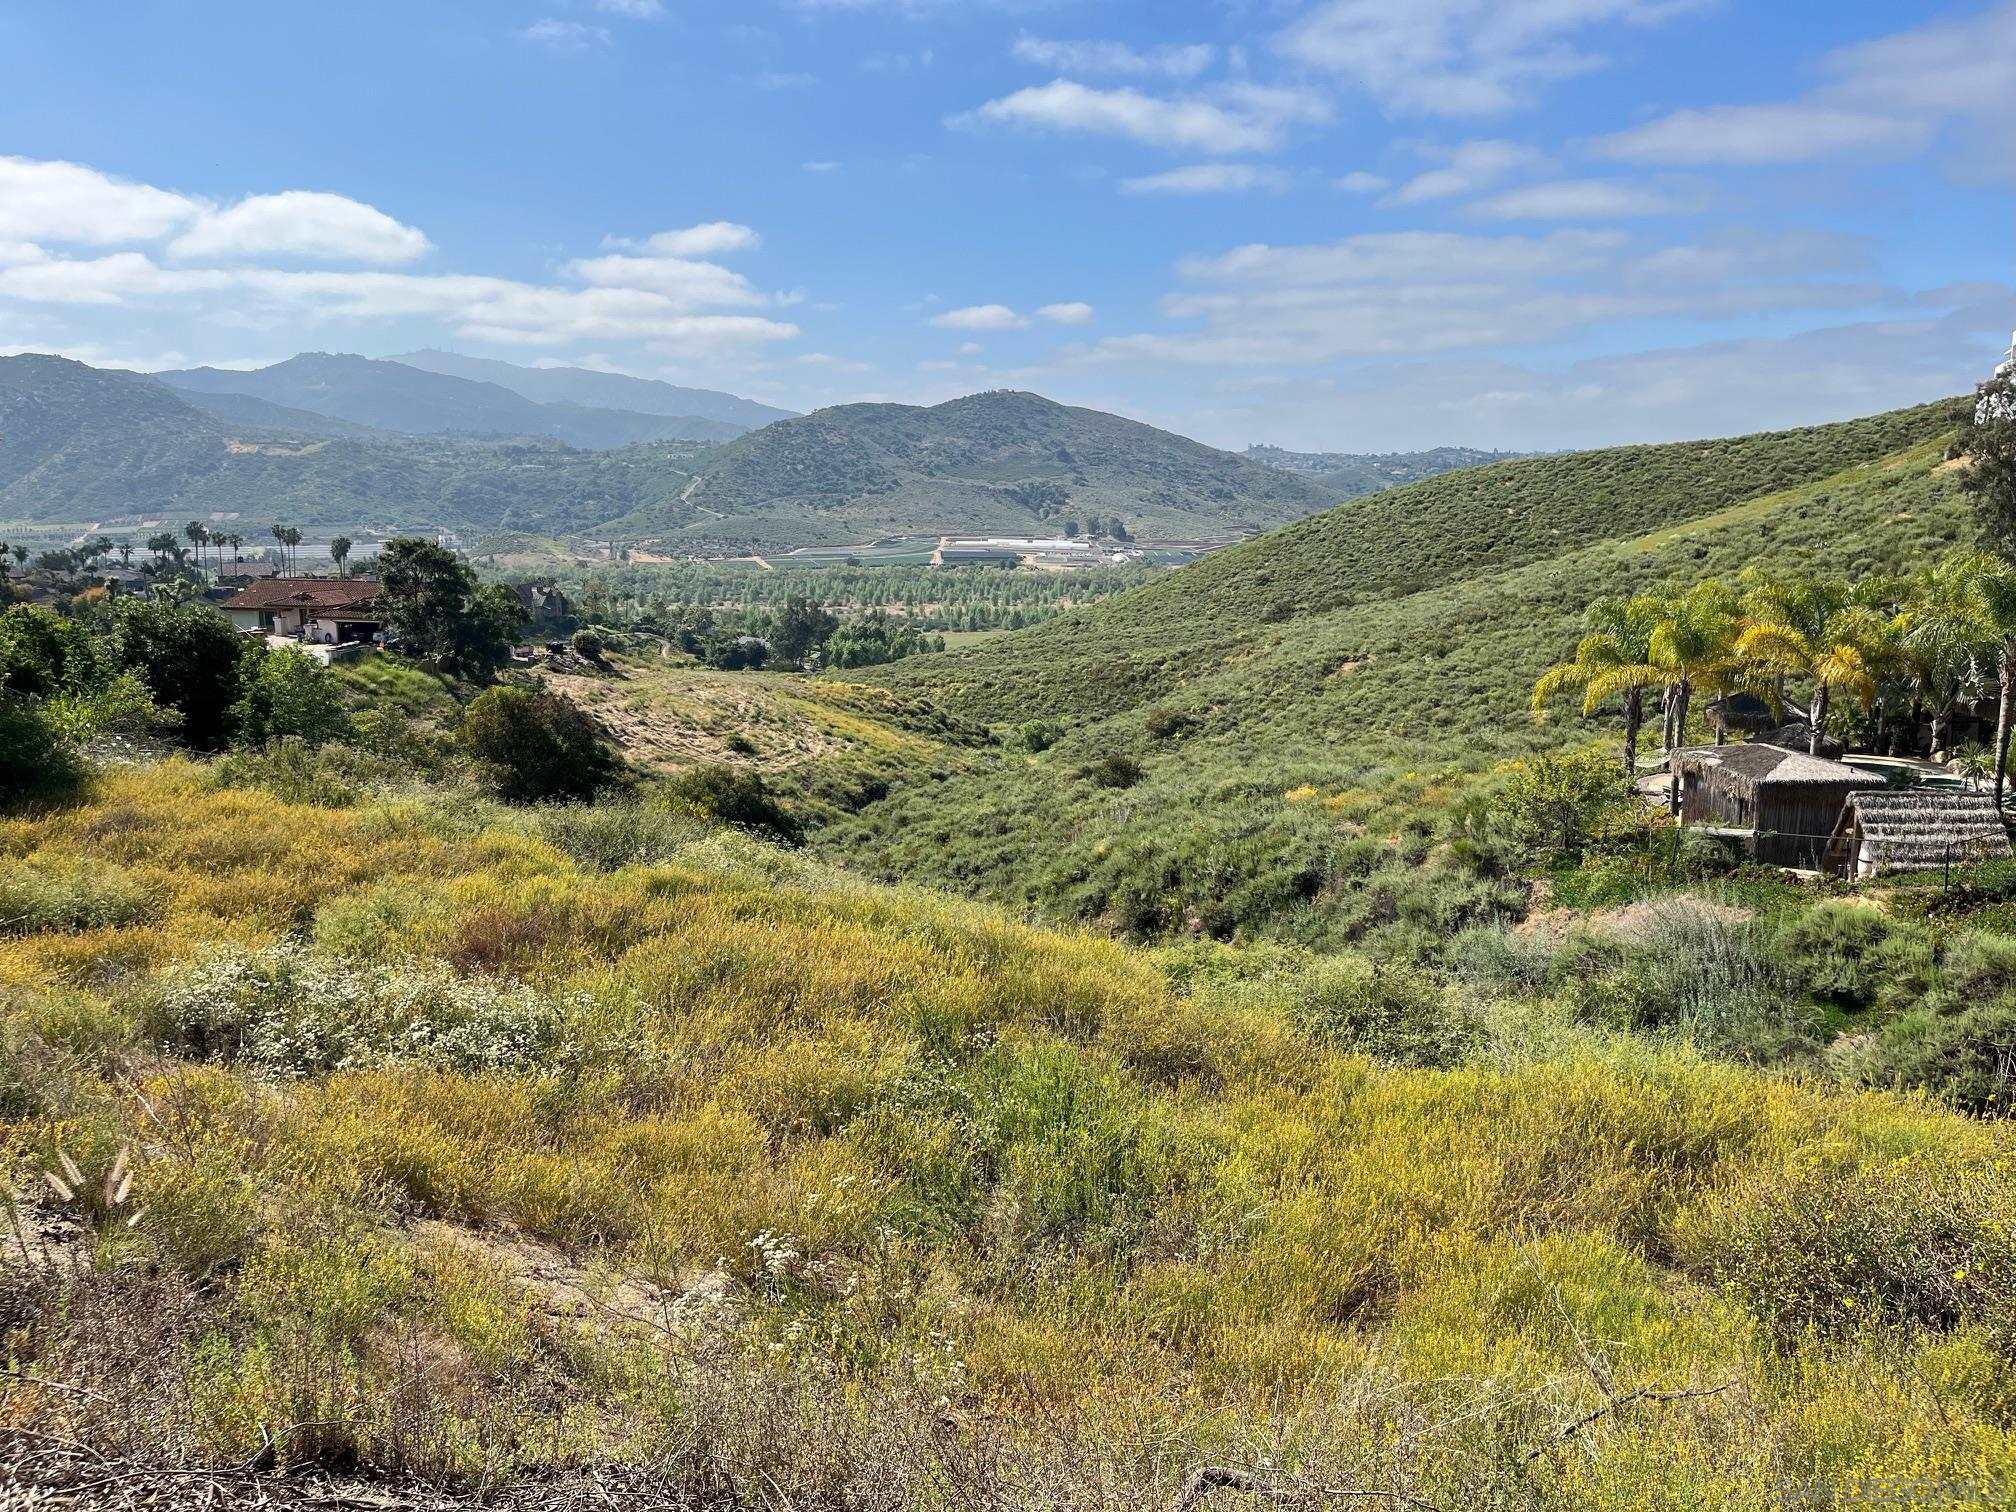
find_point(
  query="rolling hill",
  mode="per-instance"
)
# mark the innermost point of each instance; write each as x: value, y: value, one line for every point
x: 395, y: 397
x: 1001, y: 461
x: 586, y: 386
x: 78, y: 444
x: 1345, y: 665
x: 83, y: 445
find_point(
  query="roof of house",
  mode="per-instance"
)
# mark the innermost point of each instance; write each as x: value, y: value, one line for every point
x: 1758, y: 763
x: 1911, y: 828
x: 307, y: 593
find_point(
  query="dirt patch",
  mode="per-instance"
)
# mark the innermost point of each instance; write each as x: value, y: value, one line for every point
x: 564, y: 1289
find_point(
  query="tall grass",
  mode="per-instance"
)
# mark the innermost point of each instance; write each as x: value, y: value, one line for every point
x: 457, y: 1155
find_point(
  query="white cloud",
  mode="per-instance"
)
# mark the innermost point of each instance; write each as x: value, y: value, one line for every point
x: 1458, y: 58
x: 1663, y: 394
x: 43, y: 201
x: 1468, y: 168
x: 1890, y: 96
x: 987, y: 317
x: 820, y: 165
x: 1237, y: 119
x: 636, y: 10
x: 688, y: 284
x: 1584, y: 199
x: 1208, y: 178
x: 1750, y: 135
x: 301, y: 223
x: 776, y: 83
x: 1070, y: 313
x: 969, y: 349
x: 1412, y: 293
x: 15, y: 253
x: 1172, y: 61
x: 708, y: 239
x: 1361, y: 182
x: 564, y: 36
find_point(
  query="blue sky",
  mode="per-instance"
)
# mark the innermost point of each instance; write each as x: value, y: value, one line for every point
x: 1335, y: 224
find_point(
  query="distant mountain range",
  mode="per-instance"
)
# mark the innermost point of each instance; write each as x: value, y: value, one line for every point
x: 396, y: 396
x: 1368, y: 472
x: 617, y: 391
x: 81, y: 445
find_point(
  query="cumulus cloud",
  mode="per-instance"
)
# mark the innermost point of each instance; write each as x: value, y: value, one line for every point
x: 65, y: 203
x: 1459, y: 58
x: 1236, y: 119
x: 708, y: 239
x: 986, y: 317
x: 1890, y: 96
x: 1208, y: 178
x: 1467, y: 168
x: 1070, y: 313
x: 1361, y: 182
x: 301, y: 223
x: 1585, y: 200
x: 212, y: 271
x: 1172, y: 61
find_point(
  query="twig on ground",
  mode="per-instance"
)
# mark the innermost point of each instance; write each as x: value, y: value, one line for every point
x: 1617, y: 1404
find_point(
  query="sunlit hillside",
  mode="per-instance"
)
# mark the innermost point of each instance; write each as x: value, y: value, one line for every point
x: 409, y: 1129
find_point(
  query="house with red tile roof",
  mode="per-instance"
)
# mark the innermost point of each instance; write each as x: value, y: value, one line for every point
x: 321, y: 611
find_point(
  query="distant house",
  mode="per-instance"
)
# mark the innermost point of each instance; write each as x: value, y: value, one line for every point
x: 1786, y: 803
x: 1915, y: 829
x: 321, y: 611
x: 1744, y: 713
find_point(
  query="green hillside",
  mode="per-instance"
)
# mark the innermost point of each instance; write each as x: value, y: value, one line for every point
x: 1007, y: 462
x: 1298, y: 703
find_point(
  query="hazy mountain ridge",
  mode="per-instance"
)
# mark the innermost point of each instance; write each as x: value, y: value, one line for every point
x: 393, y: 396
x: 590, y: 387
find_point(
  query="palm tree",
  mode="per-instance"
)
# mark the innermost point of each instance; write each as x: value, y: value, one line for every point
x: 20, y: 555
x: 198, y: 533
x: 1812, y: 628
x: 339, y: 552
x: 280, y: 535
x: 1694, y: 639
x: 126, y: 552
x: 1612, y: 660
x: 1944, y: 632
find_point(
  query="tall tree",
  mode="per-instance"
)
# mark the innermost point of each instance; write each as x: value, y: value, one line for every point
x: 1994, y: 587
x: 1612, y: 660
x: 1813, y: 629
x: 198, y: 533
x: 1693, y: 639
x: 339, y: 553
x: 435, y: 607
x: 1944, y: 633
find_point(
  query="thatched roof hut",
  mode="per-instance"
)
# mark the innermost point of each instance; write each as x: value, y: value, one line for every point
x: 1917, y: 829
x: 1787, y: 801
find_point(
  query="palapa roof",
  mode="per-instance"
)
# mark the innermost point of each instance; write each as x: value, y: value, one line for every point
x: 1755, y: 763
x: 323, y: 595
x: 1909, y: 829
